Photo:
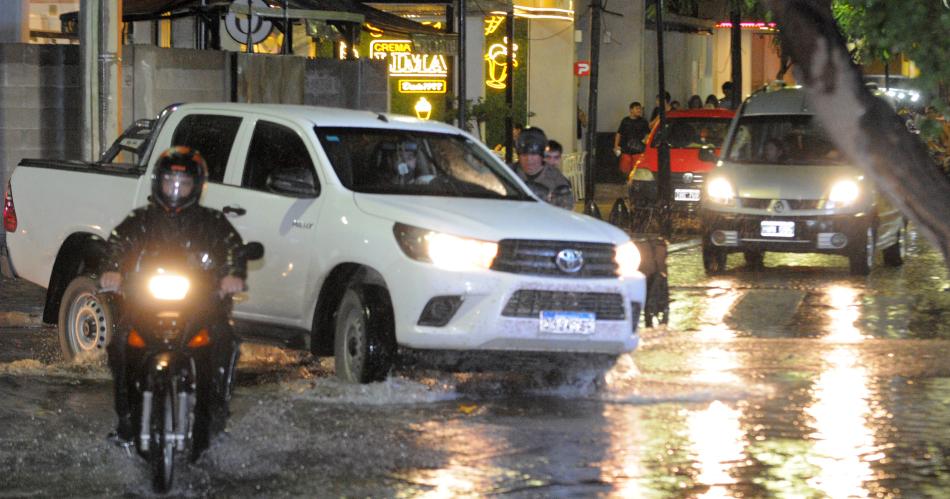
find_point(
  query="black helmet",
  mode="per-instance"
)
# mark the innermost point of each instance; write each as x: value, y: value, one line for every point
x: 532, y: 141
x: 178, y: 179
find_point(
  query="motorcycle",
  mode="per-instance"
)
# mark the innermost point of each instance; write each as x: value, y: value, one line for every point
x: 177, y: 388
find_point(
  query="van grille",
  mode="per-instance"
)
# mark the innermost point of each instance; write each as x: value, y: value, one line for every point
x: 530, y: 303
x: 522, y: 256
x: 793, y: 204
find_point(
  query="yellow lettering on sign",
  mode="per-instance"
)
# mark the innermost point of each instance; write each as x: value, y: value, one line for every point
x: 422, y: 86
x: 417, y: 65
x: 492, y: 23
x: 378, y: 49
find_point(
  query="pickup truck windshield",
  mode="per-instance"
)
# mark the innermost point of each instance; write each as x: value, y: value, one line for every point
x: 783, y: 140
x: 387, y: 161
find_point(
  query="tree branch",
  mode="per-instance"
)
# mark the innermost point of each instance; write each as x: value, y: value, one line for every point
x: 865, y: 128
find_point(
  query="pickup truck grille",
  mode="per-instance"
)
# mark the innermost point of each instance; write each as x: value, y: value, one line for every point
x: 530, y: 303
x: 521, y: 256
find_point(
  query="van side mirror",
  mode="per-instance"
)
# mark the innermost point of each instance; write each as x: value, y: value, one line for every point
x: 297, y: 182
x: 707, y: 154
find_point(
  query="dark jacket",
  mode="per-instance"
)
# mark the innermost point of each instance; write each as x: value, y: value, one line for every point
x: 550, y: 185
x: 195, y: 231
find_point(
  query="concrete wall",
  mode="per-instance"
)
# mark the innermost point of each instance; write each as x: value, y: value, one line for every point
x: 153, y: 78
x: 688, y: 65
x: 359, y: 84
x: 551, y: 80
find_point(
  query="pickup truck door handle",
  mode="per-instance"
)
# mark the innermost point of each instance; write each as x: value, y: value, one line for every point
x: 236, y: 210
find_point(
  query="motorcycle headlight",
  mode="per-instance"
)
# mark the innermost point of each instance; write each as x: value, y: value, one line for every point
x: 168, y: 287
x: 719, y: 190
x: 843, y: 193
x: 627, y: 257
x: 444, y: 250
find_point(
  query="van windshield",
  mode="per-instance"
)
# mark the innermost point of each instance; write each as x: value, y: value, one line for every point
x: 387, y: 161
x: 784, y: 140
x: 693, y: 133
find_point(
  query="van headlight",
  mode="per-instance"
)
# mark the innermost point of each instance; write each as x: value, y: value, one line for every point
x: 720, y: 191
x: 627, y: 257
x: 169, y: 287
x: 445, y: 250
x: 843, y: 193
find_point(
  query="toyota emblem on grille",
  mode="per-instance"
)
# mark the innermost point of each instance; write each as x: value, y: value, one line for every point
x: 569, y: 260
x: 687, y: 178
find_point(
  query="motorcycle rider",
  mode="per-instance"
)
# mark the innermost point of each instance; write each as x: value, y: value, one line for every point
x: 173, y: 221
x: 547, y: 182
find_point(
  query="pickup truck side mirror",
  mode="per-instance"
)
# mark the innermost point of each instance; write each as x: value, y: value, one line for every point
x: 297, y: 182
x: 253, y: 251
x: 707, y: 154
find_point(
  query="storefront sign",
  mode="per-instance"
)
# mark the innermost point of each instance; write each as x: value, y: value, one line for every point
x: 422, y: 86
x: 497, y: 57
x: 423, y: 108
x: 403, y: 62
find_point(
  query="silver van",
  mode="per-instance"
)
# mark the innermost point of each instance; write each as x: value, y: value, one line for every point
x: 782, y: 185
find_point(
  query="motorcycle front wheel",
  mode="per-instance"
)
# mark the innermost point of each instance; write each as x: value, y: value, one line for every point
x: 162, y: 451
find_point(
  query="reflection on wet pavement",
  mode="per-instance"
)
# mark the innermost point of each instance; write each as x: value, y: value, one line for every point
x: 798, y: 380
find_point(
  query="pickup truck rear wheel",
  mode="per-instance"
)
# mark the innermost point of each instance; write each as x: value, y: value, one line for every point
x: 85, y: 321
x: 364, y: 338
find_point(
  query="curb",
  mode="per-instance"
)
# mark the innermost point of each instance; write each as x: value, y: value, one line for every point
x: 683, y: 246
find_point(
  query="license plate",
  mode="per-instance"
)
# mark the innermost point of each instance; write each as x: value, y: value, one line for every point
x: 686, y: 195
x: 567, y: 322
x: 774, y: 228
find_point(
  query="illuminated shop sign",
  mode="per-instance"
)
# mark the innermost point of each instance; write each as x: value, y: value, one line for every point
x: 422, y: 86
x: 423, y: 108
x: 497, y: 57
x: 403, y: 62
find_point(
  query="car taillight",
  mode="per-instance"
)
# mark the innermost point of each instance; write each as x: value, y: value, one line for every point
x: 9, y: 212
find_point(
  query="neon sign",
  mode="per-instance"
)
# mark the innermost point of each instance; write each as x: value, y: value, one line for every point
x: 403, y: 62
x: 423, y: 108
x: 497, y: 57
x: 422, y: 86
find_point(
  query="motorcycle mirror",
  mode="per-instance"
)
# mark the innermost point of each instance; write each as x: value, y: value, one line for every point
x: 254, y: 251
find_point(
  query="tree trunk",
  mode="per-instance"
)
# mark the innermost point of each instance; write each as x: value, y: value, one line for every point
x: 865, y: 128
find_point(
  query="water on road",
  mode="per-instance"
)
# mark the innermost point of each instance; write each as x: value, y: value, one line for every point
x: 797, y: 380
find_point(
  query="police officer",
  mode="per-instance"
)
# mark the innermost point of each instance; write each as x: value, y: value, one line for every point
x: 173, y: 221
x: 547, y: 182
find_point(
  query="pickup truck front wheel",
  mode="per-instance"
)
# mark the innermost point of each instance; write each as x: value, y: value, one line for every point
x: 85, y: 321
x: 364, y: 340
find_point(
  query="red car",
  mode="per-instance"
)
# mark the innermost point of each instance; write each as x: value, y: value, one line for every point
x: 687, y: 132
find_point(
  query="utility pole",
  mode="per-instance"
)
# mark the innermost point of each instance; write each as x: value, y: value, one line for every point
x: 460, y: 62
x: 590, y: 207
x: 664, y: 185
x: 101, y: 54
x: 735, y: 17
x: 510, y: 82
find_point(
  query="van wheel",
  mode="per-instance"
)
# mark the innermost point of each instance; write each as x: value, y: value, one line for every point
x: 894, y: 255
x: 85, y: 320
x: 364, y: 344
x: 861, y: 256
x: 714, y: 259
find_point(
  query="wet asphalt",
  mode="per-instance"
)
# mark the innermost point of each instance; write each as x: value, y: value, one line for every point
x: 796, y: 380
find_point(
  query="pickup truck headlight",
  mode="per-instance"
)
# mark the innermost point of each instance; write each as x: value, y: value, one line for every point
x: 720, y: 191
x: 843, y: 193
x: 444, y: 250
x: 169, y: 287
x: 627, y: 257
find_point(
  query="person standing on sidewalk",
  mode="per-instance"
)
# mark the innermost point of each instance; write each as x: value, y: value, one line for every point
x: 629, y: 138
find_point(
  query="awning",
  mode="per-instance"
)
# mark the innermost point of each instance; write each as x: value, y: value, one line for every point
x: 141, y: 10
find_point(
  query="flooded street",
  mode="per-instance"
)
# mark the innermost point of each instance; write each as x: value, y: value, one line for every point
x: 798, y: 380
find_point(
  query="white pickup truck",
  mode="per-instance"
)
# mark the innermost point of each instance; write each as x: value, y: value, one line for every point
x: 359, y: 262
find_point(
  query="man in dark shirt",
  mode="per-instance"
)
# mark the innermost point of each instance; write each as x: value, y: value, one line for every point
x: 629, y: 138
x: 546, y: 181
